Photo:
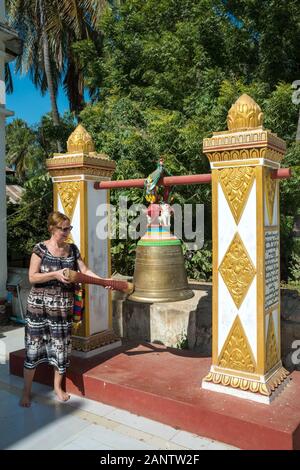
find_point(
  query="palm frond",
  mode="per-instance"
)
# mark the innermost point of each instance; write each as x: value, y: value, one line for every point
x: 8, y: 80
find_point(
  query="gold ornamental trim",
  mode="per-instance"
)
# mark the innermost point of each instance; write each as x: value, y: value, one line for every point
x: 254, y: 386
x: 271, y: 345
x: 79, y: 160
x: 234, y: 163
x: 236, y: 353
x: 83, y: 171
x: 244, y: 154
x: 237, y: 184
x: 270, y: 189
x: 272, y: 309
x: 245, y: 124
x: 94, y: 341
x: 272, y: 155
x: 259, y: 138
x: 80, y: 141
x: 245, y: 113
x: 215, y: 273
x: 237, y: 270
x: 68, y: 193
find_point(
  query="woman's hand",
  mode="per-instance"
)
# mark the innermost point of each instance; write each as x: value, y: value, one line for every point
x: 59, y: 275
x: 109, y: 288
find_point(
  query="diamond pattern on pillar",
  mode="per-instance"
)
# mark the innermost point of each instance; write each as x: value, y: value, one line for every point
x: 237, y: 270
x: 270, y: 189
x: 236, y: 184
x: 236, y: 353
x: 68, y: 193
x: 271, y: 345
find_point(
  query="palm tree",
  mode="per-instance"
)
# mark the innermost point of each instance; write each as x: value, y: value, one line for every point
x: 77, y: 21
x: 48, y: 29
x: 22, y: 152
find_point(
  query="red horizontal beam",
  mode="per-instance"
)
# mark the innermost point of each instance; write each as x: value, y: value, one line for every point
x: 166, y: 181
x: 282, y: 173
x: 138, y: 183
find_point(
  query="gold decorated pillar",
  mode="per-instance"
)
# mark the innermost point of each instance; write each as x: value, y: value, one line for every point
x: 74, y: 174
x: 246, y: 357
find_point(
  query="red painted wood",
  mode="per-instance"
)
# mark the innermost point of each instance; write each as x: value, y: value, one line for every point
x: 164, y: 384
x: 137, y: 183
x: 85, y: 279
x: 282, y: 173
x: 166, y: 181
x: 205, y: 178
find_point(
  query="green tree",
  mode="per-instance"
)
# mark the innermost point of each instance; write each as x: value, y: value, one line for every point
x: 170, y: 71
x: 22, y: 151
x: 48, y: 29
x: 29, y: 217
x: 28, y: 147
x: 273, y: 29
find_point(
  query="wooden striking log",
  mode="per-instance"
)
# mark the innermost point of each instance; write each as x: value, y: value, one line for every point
x: 77, y: 277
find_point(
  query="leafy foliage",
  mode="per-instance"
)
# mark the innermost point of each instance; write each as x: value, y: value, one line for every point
x: 27, y: 149
x: 48, y: 29
x: 29, y: 217
x: 169, y: 73
x: 162, y: 76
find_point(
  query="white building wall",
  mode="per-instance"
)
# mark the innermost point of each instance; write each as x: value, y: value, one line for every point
x: 2, y: 10
x: 3, y: 244
x: 4, y: 36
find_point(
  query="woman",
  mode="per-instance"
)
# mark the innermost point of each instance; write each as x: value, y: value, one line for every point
x: 50, y: 305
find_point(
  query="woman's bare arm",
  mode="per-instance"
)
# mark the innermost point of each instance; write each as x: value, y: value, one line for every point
x: 85, y: 270
x: 35, y: 277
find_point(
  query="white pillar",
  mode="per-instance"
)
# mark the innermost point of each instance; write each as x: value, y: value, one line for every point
x: 6, y: 33
x: 3, y: 269
x: 246, y: 359
x: 74, y: 174
x: 3, y: 244
x: 2, y: 10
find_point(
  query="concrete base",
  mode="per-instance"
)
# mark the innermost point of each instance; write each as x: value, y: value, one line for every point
x: 97, y: 351
x: 164, y: 384
x: 169, y: 323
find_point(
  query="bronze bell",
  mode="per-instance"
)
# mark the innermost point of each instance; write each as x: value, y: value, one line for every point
x: 160, y: 274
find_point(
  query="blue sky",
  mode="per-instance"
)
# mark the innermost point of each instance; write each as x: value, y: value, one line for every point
x: 27, y: 102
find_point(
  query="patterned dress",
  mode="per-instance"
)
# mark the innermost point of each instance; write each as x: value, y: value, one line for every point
x: 49, y: 313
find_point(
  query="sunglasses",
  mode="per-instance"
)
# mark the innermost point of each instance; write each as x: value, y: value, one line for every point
x: 66, y: 229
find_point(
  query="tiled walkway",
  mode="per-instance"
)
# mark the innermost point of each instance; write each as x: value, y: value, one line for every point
x: 80, y: 423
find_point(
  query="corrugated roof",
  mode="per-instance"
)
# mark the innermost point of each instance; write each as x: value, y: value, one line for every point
x: 9, y: 170
x: 14, y: 193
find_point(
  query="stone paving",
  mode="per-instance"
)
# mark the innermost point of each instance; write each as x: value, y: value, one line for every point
x: 80, y: 423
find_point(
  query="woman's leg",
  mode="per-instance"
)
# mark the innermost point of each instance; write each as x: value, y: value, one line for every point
x: 26, y: 396
x: 63, y: 396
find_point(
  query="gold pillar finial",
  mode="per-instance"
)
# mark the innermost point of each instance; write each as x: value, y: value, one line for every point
x: 80, y: 141
x: 244, y: 114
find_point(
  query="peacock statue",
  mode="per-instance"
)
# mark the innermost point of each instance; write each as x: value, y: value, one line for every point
x: 152, y: 180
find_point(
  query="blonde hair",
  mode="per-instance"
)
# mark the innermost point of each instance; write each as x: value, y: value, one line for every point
x: 55, y: 219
